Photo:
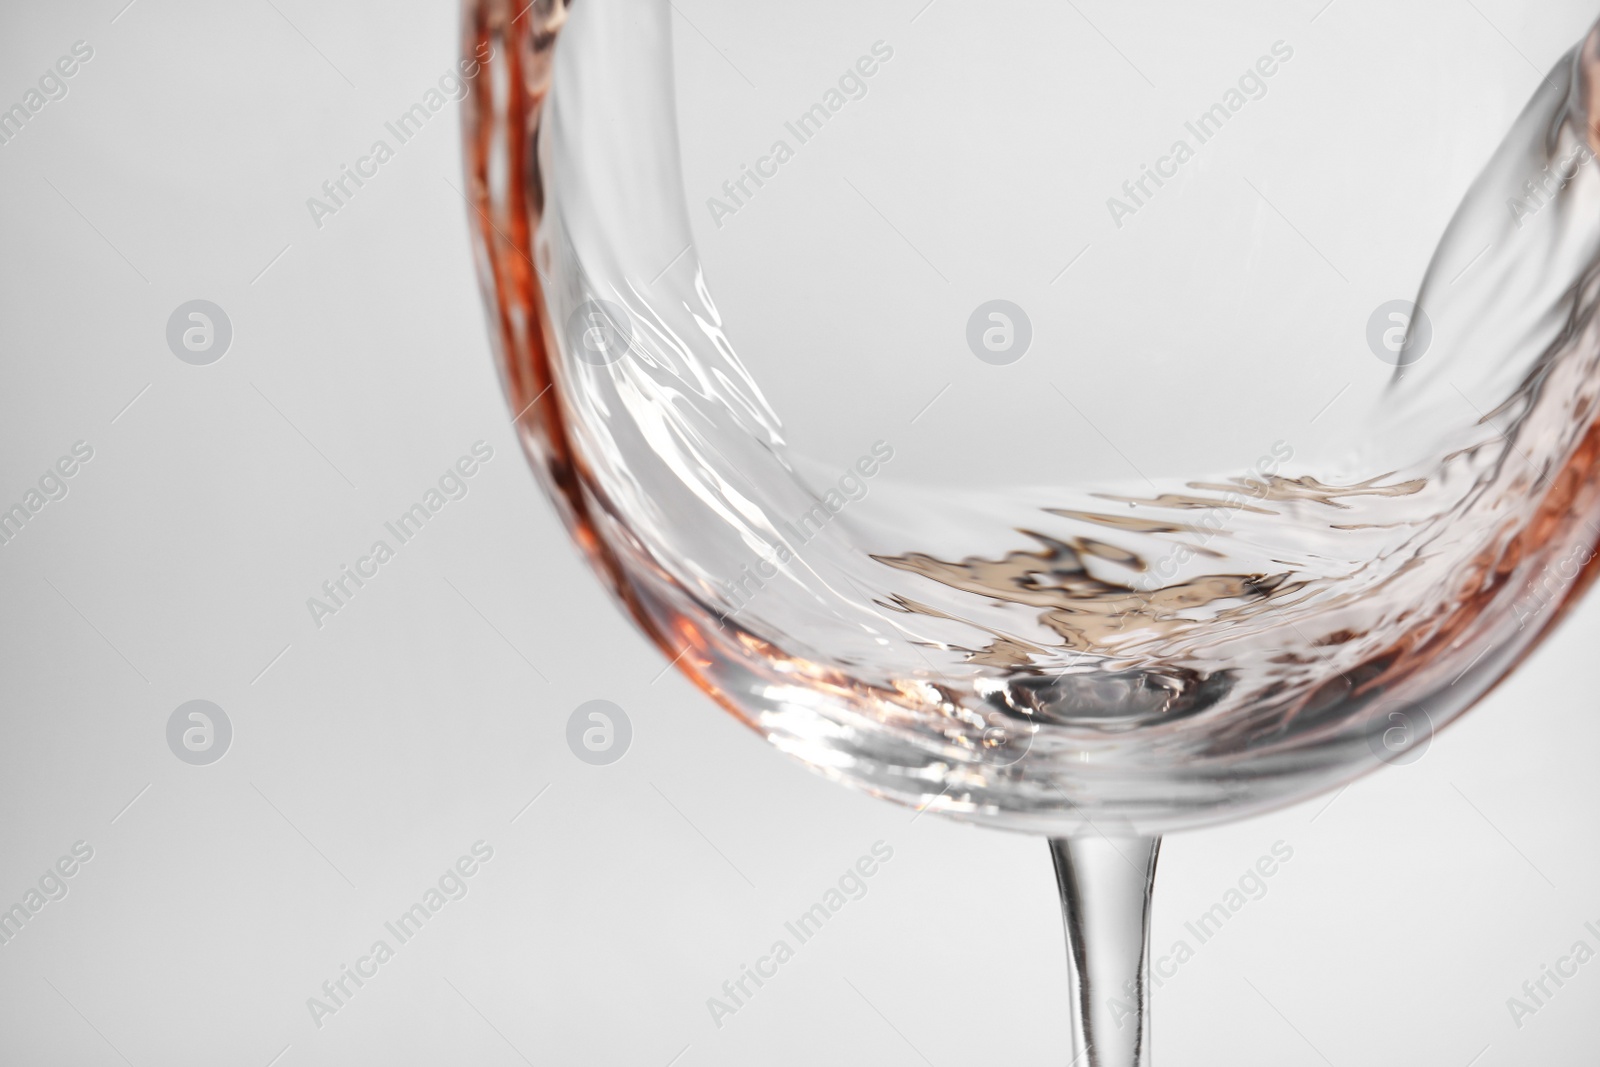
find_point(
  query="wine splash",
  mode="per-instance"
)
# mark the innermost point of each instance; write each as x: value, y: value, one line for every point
x: 1039, y: 656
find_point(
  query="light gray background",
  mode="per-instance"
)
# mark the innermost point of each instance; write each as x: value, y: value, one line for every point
x: 369, y: 754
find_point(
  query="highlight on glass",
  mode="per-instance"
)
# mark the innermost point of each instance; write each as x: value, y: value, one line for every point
x: 1082, y: 447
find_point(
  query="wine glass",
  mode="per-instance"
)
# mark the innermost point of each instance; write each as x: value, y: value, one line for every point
x: 1089, y: 421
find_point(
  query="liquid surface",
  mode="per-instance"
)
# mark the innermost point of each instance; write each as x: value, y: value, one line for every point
x: 1141, y: 654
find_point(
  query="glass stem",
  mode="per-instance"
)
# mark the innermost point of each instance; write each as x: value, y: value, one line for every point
x: 1105, y: 899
